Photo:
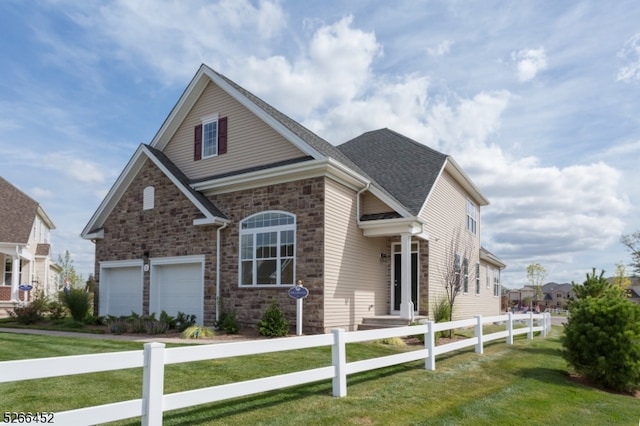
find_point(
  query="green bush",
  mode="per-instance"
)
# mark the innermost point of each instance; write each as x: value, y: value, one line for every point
x: 229, y: 322
x: 168, y: 319
x: 273, y: 323
x: 57, y: 310
x: 602, y: 337
x: 442, y: 313
x: 77, y: 302
x: 184, y: 321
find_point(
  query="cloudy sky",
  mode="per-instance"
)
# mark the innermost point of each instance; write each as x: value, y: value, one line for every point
x: 539, y: 101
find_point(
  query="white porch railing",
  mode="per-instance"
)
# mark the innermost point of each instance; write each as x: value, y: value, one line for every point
x: 155, y: 356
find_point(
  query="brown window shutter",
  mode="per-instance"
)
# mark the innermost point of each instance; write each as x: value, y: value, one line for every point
x: 222, y: 135
x: 197, y: 143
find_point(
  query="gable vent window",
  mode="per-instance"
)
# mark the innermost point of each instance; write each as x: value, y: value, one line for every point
x: 148, y: 198
x: 210, y: 138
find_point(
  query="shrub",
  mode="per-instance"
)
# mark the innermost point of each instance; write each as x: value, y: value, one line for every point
x: 229, y: 322
x: 26, y: 314
x: 156, y: 327
x: 57, y: 310
x: 77, y: 301
x: 196, y: 331
x: 184, y: 321
x: 118, y: 325
x: 442, y: 313
x: 168, y: 319
x: 273, y: 323
x: 602, y: 339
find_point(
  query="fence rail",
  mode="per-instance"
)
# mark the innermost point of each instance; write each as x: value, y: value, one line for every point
x: 155, y: 356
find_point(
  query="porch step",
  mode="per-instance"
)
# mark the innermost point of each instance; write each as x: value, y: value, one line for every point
x: 385, y: 321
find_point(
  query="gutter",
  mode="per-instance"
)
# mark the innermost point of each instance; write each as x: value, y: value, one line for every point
x: 218, y: 232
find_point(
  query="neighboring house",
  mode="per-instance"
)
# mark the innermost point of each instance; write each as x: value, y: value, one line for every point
x: 233, y: 202
x: 25, y: 246
x: 521, y: 298
x: 557, y: 296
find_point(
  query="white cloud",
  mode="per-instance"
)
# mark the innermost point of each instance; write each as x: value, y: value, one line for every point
x: 441, y: 49
x: 75, y: 168
x: 40, y: 193
x: 630, y: 53
x: 529, y: 63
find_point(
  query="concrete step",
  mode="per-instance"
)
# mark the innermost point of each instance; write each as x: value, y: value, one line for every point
x: 386, y: 321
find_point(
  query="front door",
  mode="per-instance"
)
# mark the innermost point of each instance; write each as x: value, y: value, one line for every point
x: 397, y: 277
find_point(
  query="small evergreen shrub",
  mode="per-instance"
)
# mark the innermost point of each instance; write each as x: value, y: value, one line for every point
x: 184, y: 321
x: 77, y: 302
x: 442, y: 313
x: 273, y: 322
x: 229, y: 322
x: 168, y: 319
x: 602, y: 337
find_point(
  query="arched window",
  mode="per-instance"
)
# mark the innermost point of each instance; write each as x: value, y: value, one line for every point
x: 267, y: 249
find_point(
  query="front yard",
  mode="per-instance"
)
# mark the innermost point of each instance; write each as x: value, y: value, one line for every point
x: 526, y: 383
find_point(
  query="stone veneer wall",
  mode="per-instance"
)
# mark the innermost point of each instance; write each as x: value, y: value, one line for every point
x: 167, y: 230
x: 303, y: 198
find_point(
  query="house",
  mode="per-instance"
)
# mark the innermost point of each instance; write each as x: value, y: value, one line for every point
x: 233, y: 202
x: 25, y: 247
x: 557, y: 296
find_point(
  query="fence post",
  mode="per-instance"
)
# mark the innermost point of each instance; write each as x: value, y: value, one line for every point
x: 478, y: 333
x: 510, y: 328
x: 430, y: 344
x: 339, y: 361
x: 547, y: 324
x: 153, y: 384
x: 530, y: 334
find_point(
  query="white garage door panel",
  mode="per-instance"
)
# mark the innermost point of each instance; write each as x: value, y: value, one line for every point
x: 121, y: 291
x: 178, y: 288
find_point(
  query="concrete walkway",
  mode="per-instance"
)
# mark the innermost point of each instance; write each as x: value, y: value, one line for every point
x: 134, y: 338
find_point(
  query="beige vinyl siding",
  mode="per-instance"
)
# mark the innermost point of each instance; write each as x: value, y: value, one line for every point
x: 355, y: 278
x: 372, y: 204
x: 250, y: 141
x: 445, y: 214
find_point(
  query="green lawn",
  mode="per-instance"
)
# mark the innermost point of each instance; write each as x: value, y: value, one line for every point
x: 525, y: 383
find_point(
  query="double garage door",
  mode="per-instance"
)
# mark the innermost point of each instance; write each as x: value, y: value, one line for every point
x: 177, y: 285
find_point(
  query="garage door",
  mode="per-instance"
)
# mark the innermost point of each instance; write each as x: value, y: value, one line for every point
x: 120, y: 290
x: 177, y: 287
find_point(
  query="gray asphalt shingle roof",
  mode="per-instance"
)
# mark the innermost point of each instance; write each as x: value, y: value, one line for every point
x: 403, y: 167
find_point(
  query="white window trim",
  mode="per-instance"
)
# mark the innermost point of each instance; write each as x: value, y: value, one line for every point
x: 470, y: 204
x: 254, y: 231
x: 207, y: 120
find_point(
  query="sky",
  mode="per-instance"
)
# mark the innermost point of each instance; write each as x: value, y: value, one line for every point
x: 538, y: 101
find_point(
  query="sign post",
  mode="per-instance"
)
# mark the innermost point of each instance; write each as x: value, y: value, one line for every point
x: 298, y: 292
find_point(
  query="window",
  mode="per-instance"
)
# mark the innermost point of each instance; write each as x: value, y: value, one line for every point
x: 148, y: 198
x: 456, y: 270
x: 465, y: 275
x: 471, y: 217
x: 7, y: 271
x: 267, y: 249
x: 496, y: 284
x: 210, y: 137
x: 489, y: 270
x: 477, y: 278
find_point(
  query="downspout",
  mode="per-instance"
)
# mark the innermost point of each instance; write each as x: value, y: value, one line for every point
x: 358, y: 201
x: 220, y: 228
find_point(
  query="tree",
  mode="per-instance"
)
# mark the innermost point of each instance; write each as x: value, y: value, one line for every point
x: 455, y: 273
x: 620, y: 279
x: 632, y: 242
x: 536, y: 274
x: 594, y: 286
x: 68, y: 271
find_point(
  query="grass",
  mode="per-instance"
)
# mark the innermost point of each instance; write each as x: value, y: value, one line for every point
x: 526, y: 383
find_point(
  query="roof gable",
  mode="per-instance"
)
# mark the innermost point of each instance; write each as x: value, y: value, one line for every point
x: 17, y: 213
x: 211, y: 214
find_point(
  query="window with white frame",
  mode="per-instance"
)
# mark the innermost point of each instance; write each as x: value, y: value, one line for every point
x: 496, y: 284
x: 477, y: 278
x: 489, y: 276
x: 457, y: 269
x: 210, y: 136
x: 465, y: 275
x: 471, y: 216
x: 267, y: 249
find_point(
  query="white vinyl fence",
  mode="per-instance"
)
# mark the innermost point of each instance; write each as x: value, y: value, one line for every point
x: 155, y: 356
